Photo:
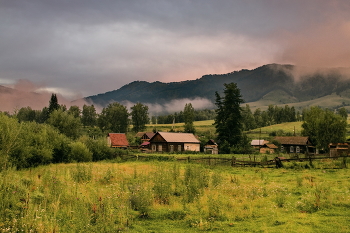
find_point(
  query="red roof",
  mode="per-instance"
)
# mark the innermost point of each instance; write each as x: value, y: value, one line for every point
x: 118, y: 139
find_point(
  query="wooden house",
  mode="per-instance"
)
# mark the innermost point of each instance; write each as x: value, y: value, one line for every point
x: 257, y: 144
x: 269, y: 148
x: 174, y: 142
x: 338, y: 149
x: 147, y: 136
x: 295, y: 144
x: 211, y: 147
x: 117, y: 140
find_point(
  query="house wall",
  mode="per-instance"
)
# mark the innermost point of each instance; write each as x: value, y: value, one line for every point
x: 174, y: 147
x: 109, y: 143
x: 191, y: 146
x: 166, y: 147
x: 287, y: 149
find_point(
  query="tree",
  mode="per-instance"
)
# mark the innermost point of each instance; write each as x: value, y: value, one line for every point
x: 342, y: 112
x: 53, y: 103
x: 188, y: 118
x: 323, y: 127
x: 74, y: 111
x: 26, y: 114
x: 89, y: 115
x: 228, y: 121
x: 65, y: 123
x: 139, y: 117
x: 114, y: 118
x: 248, y: 118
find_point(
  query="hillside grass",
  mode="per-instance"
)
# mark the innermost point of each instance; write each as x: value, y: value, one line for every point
x: 281, y: 99
x: 173, y: 197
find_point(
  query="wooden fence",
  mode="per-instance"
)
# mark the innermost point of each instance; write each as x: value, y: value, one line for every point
x: 250, y: 161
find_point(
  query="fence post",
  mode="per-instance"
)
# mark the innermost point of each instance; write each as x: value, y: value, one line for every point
x: 233, y: 161
x: 188, y: 159
x: 278, y: 162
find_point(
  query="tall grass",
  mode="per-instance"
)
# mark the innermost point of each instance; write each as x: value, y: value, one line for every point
x: 173, y: 197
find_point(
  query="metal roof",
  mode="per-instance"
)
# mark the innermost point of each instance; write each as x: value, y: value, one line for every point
x: 178, y: 137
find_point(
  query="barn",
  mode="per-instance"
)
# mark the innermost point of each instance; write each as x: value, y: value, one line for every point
x: 117, y: 140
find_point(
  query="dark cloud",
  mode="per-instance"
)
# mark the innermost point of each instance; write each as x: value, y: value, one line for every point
x: 89, y: 47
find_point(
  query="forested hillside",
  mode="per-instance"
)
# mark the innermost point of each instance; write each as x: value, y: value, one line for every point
x: 254, y: 85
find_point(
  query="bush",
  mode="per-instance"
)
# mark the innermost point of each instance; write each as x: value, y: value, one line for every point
x: 79, y: 152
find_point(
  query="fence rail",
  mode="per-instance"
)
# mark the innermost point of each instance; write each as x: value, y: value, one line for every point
x: 233, y: 162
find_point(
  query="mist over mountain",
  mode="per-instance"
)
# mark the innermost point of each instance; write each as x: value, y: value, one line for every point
x: 282, y: 84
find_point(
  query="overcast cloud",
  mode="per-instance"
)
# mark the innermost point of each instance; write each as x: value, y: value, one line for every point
x: 87, y: 47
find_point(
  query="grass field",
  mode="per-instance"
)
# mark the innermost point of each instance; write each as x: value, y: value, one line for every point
x: 174, y: 197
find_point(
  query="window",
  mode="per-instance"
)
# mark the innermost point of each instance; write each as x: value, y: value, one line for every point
x: 291, y: 149
x: 154, y: 147
x: 282, y: 148
x: 297, y: 149
x: 160, y: 148
x: 171, y: 148
x: 178, y: 147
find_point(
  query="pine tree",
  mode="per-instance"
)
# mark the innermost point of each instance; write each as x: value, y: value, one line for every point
x: 228, y: 121
x: 53, y: 104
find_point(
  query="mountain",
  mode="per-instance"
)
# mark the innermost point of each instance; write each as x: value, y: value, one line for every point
x: 269, y: 84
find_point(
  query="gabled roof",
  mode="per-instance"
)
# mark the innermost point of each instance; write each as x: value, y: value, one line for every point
x: 211, y: 142
x: 140, y: 134
x: 258, y: 142
x: 271, y: 146
x: 296, y: 140
x: 149, y: 134
x: 177, y: 137
x: 118, y: 139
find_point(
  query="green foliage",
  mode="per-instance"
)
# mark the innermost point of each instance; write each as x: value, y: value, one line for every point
x: 114, y: 118
x: 189, y: 118
x: 66, y: 123
x: 139, y: 117
x: 323, y: 127
x: 74, y: 111
x: 89, y: 115
x: 53, y: 104
x: 98, y: 147
x: 228, y: 121
x: 79, y: 152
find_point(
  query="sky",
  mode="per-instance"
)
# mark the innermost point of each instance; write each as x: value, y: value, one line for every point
x: 85, y: 47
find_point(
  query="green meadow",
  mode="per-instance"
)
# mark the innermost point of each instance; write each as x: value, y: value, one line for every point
x: 160, y: 194
x: 173, y: 196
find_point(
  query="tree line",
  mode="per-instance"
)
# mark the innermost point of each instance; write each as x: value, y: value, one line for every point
x: 322, y: 126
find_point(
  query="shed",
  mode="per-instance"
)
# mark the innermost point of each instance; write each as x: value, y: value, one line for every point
x: 257, y: 144
x: 211, y: 147
x: 171, y: 142
x: 117, y: 140
x: 268, y: 148
x: 337, y: 149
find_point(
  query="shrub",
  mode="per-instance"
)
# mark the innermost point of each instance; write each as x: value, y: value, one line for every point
x: 79, y: 152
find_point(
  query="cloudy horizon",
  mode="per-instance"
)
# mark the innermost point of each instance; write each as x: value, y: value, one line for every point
x: 83, y: 48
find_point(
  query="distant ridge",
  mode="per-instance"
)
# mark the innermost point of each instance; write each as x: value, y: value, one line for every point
x: 255, y: 85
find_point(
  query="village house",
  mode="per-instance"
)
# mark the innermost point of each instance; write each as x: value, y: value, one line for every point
x: 211, y: 147
x: 295, y: 144
x: 268, y: 148
x: 257, y: 144
x: 117, y: 140
x: 338, y: 149
x: 174, y: 142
